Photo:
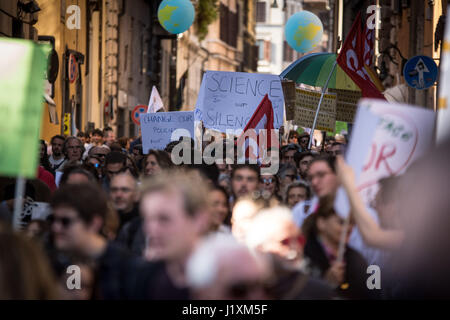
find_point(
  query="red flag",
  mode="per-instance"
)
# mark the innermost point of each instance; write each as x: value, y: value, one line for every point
x: 254, y: 140
x: 351, y: 60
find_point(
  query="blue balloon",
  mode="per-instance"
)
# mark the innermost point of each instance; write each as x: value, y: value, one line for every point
x: 303, y: 31
x: 176, y: 16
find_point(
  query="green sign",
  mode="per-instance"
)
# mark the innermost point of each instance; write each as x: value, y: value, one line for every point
x: 23, y: 65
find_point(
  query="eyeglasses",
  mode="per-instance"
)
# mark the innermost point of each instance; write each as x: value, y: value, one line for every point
x: 267, y: 180
x: 320, y: 175
x: 64, y: 221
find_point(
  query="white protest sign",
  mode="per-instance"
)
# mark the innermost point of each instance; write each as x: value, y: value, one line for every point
x: 403, y: 134
x: 363, y: 132
x: 227, y: 100
x: 157, y: 128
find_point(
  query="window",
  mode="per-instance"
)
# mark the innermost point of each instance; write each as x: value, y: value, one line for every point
x: 260, y: 45
x: 261, y: 11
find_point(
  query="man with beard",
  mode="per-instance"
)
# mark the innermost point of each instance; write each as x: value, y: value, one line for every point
x: 57, y: 157
x: 244, y: 180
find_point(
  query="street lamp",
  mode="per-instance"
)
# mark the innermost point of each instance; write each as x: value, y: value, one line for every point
x: 274, y: 4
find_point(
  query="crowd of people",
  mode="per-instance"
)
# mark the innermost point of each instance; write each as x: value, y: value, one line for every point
x: 139, y: 227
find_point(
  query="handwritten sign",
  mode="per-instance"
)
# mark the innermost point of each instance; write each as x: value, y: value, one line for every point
x: 22, y: 71
x: 403, y: 134
x: 306, y: 103
x: 227, y: 100
x: 158, y: 128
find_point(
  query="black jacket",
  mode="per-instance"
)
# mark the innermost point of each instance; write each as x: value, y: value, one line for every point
x: 132, y: 236
x: 355, y: 269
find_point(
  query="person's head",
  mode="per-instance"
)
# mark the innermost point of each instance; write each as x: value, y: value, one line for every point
x: 302, y: 161
x: 223, y: 269
x: 97, y: 137
x: 322, y: 176
x: 287, y: 154
x: 76, y: 175
x: 115, y: 162
x: 336, y: 149
x: 81, y: 136
x: 269, y: 184
x: 123, y: 191
x: 73, y: 149
x: 124, y: 142
x: 43, y: 156
x: 303, y: 140
x: 36, y: 229
x: 78, y: 215
x: 109, y: 137
x: 175, y: 212
x: 245, y: 209
x: 325, y: 223
x: 57, y: 143
x: 328, y: 143
x: 287, y: 174
x: 244, y: 179
x: 297, y: 192
x: 99, y: 152
x: 274, y: 231
x: 25, y: 273
x: 293, y: 137
x: 220, y: 208
x: 156, y: 161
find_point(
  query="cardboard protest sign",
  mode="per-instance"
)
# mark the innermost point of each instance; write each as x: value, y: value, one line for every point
x: 305, y: 109
x: 227, y: 100
x: 346, y: 104
x: 403, y: 134
x: 22, y: 72
x: 158, y: 128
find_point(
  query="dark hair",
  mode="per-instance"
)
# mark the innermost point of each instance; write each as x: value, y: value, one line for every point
x: 44, y: 160
x: 105, y: 130
x: 72, y: 170
x: 209, y: 171
x: 116, y: 157
x: 81, y: 134
x: 161, y: 156
x: 298, y: 157
x: 292, y: 133
x: 252, y: 167
x: 324, y: 211
x: 328, y: 159
x: 115, y: 147
x: 227, y: 220
x: 58, y: 136
x: 87, y: 199
x: 97, y: 132
x: 123, y: 142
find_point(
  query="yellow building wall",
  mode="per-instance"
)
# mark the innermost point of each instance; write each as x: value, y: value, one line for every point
x: 51, y: 23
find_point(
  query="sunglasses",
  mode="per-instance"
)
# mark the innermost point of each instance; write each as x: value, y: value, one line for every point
x: 267, y: 180
x: 64, y: 221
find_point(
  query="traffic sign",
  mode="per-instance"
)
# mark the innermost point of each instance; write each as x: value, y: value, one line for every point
x: 136, y: 113
x: 420, y: 72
